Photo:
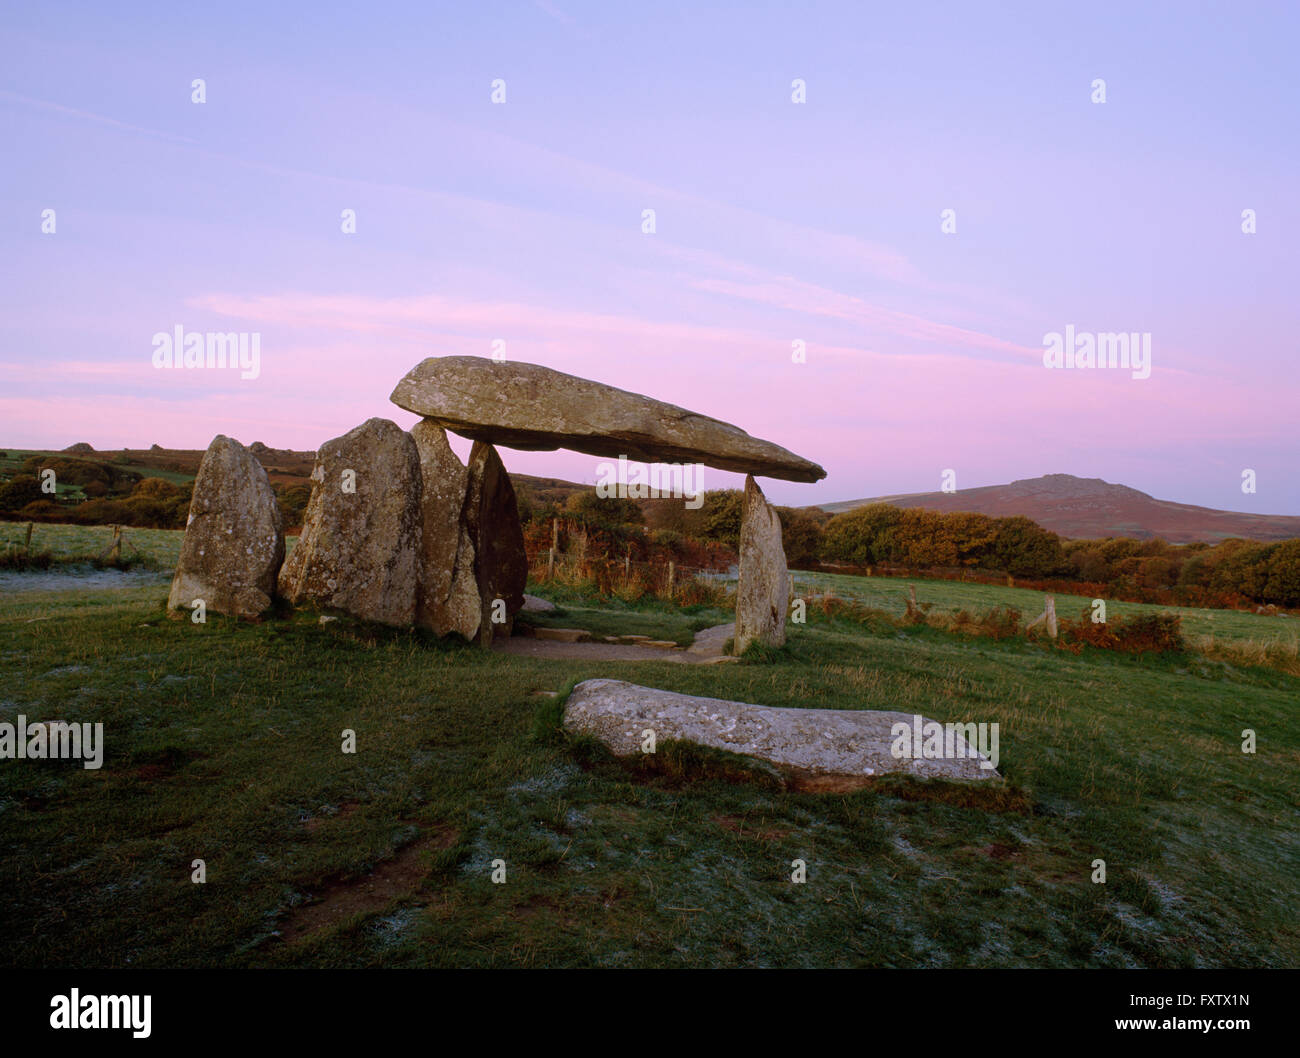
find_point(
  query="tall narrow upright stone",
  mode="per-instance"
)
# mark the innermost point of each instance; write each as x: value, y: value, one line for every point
x: 361, y: 532
x: 234, y: 540
x: 491, y: 518
x: 447, y: 598
x: 763, y: 590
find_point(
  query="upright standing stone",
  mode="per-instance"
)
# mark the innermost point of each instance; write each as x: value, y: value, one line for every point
x: 763, y: 590
x: 234, y: 539
x: 491, y: 517
x: 361, y: 532
x: 447, y: 598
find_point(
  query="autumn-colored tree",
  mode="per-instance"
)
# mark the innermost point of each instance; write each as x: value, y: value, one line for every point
x: 1242, y: 569
x: 1282, y: 585
x: 1089, y: 563
x: 973, y: 536
x: 604, y: 510
x: 801, y: 536
x: 921, y: 538
x: 722, y: 513
x: 19, y: 491
x: 1024, y: 548
x: 861, y: 536
x: 156, y: 488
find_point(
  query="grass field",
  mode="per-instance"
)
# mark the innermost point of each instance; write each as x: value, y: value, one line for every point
x: 223, y: 744
x: 947, y: 596
x: 158, y: 548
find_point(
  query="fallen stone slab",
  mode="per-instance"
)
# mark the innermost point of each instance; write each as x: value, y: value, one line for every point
x: 826, y: 749
x: 660, y: 644
x: 534, y: 408
x: 533, y: 604
x: 234, y: 541
x: 712, y: 642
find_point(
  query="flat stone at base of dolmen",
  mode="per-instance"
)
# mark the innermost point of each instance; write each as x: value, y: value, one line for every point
x: 712, y: 642
x: 531, y: 407
x: 234, y: 540
x: 833, y: 749
x: 562, y: 635
x: 763, y: 581
x: 361, y: 532
x: 533, y: 604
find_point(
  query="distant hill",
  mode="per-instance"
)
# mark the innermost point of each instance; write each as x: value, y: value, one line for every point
x: 1090, y: 508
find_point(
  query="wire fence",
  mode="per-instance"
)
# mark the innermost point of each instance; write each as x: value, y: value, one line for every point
x: 627, y: 577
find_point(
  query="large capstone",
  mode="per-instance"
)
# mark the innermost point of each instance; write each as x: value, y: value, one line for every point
x: 491, y: 518
x: 447, y: 598
x: 358, y: 552
x: 234, y: 539
x: 763, y: 588
x: 819, y: 749
x: 535, y: 408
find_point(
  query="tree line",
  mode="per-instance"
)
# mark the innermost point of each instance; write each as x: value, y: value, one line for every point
x: 100, y: 492
x: 1230, y: 573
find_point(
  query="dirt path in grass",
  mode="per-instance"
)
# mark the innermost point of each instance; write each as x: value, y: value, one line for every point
x: 706, y: 650
x: 524, y: 646
x: 77, y: 578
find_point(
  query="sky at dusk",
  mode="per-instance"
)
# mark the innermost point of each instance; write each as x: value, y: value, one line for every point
x: 775, y: 222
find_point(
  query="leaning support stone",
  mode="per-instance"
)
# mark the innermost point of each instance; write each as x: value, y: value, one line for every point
x: 491, y: 519
x: 763, y: 590
x: 234, y: 540
x: 361, y: 531
x: 447, y: 598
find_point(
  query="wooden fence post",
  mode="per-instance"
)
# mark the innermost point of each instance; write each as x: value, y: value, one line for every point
x: 27, y: 544
x: 1048, y: 617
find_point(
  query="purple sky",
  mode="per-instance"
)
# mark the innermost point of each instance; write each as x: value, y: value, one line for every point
x: 775, y: 222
